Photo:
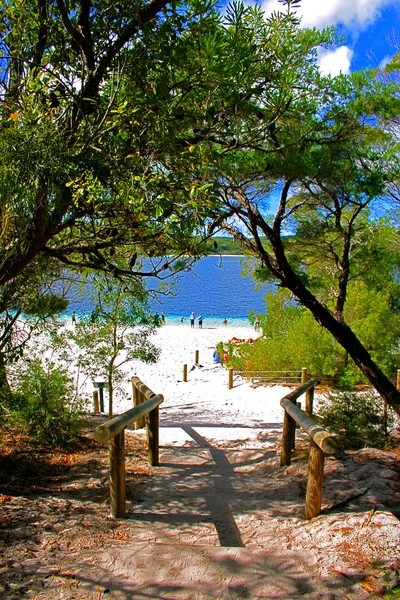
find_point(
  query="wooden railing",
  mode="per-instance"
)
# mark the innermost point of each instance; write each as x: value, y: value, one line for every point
x: 322, y: 442
x: 269, y: 376
x: 113, y: 431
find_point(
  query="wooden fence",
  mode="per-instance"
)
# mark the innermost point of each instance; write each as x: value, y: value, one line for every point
x: 269, y: 376
x: 322, y: 442
x: 113, y: 431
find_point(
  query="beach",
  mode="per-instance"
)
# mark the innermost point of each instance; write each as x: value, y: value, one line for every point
x: 204, y: 400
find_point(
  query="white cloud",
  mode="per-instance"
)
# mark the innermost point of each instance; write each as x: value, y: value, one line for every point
x: 385, y: 61
x: 322, y: 13
x: 336, y: 61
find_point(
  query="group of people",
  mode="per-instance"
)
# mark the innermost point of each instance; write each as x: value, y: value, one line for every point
x: 192, y: 319
x: 200, y: 320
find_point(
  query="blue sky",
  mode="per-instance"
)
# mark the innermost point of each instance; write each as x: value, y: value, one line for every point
x: 366, y: 26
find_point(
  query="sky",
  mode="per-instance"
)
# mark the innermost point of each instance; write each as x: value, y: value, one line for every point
x: 367, y: 26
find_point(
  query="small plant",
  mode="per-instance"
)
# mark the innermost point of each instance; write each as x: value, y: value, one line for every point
x: 359, y: 419
x: 44, y: 403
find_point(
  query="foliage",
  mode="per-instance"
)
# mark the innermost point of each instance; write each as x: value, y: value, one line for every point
x: 44, y: 403
x: 292, y: 338
x: 224, y: 245
x: 27, y: 305
x: 86, y: 132
x: 300, y: 172
x: 89, y: 115
x: 358, y: 418
x: 116, y: 333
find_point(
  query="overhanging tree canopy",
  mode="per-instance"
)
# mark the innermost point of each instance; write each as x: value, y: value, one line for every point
x: 310, y: 144
x: 88, y: 91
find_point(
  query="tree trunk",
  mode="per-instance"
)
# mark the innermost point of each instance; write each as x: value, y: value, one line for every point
x: 346, y: 338
x: 4, y: 385
x: 281, y: 269
x: 110, y: 393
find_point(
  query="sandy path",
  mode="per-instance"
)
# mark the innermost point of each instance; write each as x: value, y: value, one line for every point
x: 205, y: 400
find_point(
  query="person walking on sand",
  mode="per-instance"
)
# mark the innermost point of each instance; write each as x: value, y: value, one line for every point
x: 191, y: 319
x: 200, y: 319
x: 257, y: 323
x: 73, y: 317
x: 163, y: 321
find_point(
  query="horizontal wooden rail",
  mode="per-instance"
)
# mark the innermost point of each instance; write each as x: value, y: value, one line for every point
x: 325, y: 440
x: 104, y: 433
x: 302, y: 389
x: 248, y: 371
x: 139, y: 385
x: 262, y: 375
x: 113, y: 431
x: 322, y: 442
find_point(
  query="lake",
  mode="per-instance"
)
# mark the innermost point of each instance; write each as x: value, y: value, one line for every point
x: 217, y: 289
x: 214, y: 287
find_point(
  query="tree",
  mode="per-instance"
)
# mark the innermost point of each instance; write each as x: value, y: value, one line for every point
x: 116, y: 333
x: 89, y: 91
x: 313, y: 145
x: 90, y: 99
x: 33, y: 307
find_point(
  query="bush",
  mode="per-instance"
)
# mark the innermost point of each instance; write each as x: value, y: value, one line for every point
x: 359, y: 419
x: 44, y: 403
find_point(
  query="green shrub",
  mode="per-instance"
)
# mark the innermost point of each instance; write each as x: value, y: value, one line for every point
x: 44, y: 403
x: 359, y: 419
x: 293, y: 339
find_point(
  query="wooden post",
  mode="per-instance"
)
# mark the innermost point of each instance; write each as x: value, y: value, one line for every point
x: 309, y: 393
x: 230, y: 378
x: 152, y: 423
x: 298, y: 404
x: 136, y: 401
x: 196, y: 357
x: 184, y: 372
x: 135, y: 392
x: 96, y: 406
x: 398, y: 379
x: 315, y: 479
x: 138, y: 398
x: 142, y: 421
x: 309, y: 402
x: 288, y: 439
x: 101, y: 396
x: 117, y: 475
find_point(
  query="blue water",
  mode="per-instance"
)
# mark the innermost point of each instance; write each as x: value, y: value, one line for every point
x: 215, y: 288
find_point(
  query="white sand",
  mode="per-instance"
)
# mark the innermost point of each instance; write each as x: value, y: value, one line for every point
x: 205, y: 400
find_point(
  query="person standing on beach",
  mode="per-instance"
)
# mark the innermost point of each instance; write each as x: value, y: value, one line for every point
x: 192, y: 318
x: 163, y: 321
x: 257, y: 323
x: 73, y: 317
x: 200, y: 319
